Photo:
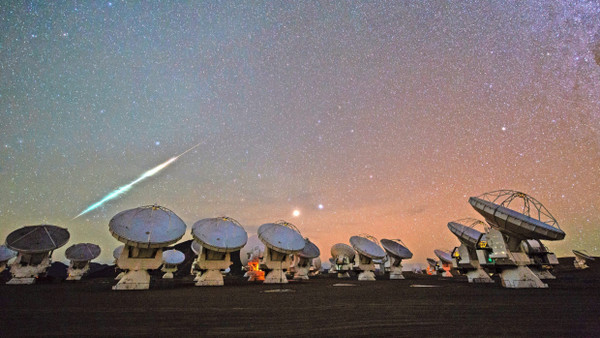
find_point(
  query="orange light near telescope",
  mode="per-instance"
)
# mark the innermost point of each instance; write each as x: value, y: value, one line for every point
x: 254, y: 271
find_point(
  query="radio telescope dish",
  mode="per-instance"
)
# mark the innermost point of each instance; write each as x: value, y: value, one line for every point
x: 195, y: 269
x: 82, y: 252
x: 34, y: 245
x: 196, y: 247
x: 433, y: 267
x: 444, y: 256
x: 171, y: 258
x: 37, y: 238
x: 219, y: 237
x: 117, y: 252
x: 150, y: 226
x: 465, y: 257
x: 80, y: 256
x: 532, y: 221
x: 343, y: 259
x: 221, y: 234
x: 397, y: 251
x: 282, y: 239
x: 315, y: 267
x: 6, y: 255
x: 305, y: 258
x: 145, y: 231
x: 581, y: 257
x: 368, y: 249
x: 465, y: 230
x: 344, y: 250
x: 516, y: 217
x: 309, y: 251
x: 446, y: 262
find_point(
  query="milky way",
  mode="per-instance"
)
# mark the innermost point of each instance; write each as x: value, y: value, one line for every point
x: 366, y: 117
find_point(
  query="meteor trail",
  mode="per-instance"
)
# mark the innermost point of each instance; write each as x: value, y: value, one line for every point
x: 125, y: 188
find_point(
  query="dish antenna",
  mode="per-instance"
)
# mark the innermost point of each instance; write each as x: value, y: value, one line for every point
x: 303, y: 259
x: 34, y: 245
x: 6, y: 255
x: 465, y: 257
x: 195, y: 270
x: 171, y: 258
x: 368, y: 249
x: 397, y: 251
x: 282, y: 239
x: 219, y: 237
x: 145, y: 231
x: 315, y: 267
x: 433, y: 267
x: 116, y: 254
x: 80, y: 256
x: 581, y: 256
x: 445, y: 261
x: 515, y: 217
x: 250, y: 256
x: 342, y: 259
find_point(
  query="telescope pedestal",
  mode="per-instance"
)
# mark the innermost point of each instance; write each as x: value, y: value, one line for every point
x: 136, y: 261
x: 478, y: 276
x: 275, y: 261
x: 396, y: 272
x: 342, y: 266
x: 74, y: 273
x: 366, y: 265
x: 26, y: 274
x: 579, y: 263
x: 134, y: 280
x: 213, y: 262
x: 542, y: 273
x: 302, y: 268
x: 396, y: 268
x: 520, y: 277
x: 446, y: 268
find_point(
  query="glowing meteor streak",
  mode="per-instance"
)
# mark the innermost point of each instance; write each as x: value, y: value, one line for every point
x: 126, y: 188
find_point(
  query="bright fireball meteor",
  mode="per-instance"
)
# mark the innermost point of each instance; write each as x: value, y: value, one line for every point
x: 126, y: 188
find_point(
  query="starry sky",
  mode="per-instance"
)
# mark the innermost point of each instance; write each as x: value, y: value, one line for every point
x: 365, y: 117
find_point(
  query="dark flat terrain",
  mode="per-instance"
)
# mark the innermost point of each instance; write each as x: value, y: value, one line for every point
x: 570, y: 307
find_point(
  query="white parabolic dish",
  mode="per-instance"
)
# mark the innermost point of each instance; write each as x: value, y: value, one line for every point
x: 6, y: 253
x: 147, y: 227
x: 196, y: 247
x: 577, y: 253
x: 393, y: 248
x: 281, y: 238
x: 367, y: 247
x: 82, y: 252
x: 221, y: 234
x: 117, y: 251
x: 37, y: 238
x: 514, y: 222
x: 310, y: 250
x: 254, y: 247
x: 443, y: 256
x: 341, y: 249
x: 173, y: 257
x: 465, y: 234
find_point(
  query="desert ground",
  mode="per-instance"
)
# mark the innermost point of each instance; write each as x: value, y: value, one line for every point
x: 316, y: 307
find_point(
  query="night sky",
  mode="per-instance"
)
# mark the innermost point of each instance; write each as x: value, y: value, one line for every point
x: 366, y: 117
